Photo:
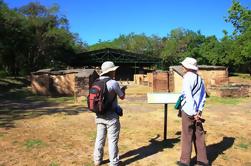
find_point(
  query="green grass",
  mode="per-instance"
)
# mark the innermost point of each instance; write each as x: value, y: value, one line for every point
x: 16, y: 94
x: 53, y: 164
x: 34, y: 143
x: 16, y: 89
x: 243, y: 146
x: 225, y: 100
x: 3, y: 73
x: 88, y: 164
x: 60, y: 99
x: 26, y: 94
x: 12, y: 80
x: 242, y: 75
x: 2, y: 134
x: 92, y: 135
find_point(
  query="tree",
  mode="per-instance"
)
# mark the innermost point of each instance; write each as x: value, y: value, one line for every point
x: 240, y: 17
x: 179, y: 44
x: 13, y: 39
x: 34, y: 37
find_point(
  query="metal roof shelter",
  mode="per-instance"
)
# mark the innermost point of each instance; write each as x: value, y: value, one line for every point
x: 119, y: 57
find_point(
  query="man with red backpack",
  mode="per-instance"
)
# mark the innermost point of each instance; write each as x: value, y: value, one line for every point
x: 107, y: 113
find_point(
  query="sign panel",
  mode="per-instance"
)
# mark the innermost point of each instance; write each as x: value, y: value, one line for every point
x: 162, y: 98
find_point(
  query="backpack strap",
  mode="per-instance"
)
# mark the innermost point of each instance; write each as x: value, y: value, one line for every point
x: 195, y: 85
x: 106, y: 91
x: 193, y: 93
x: 201, y: 94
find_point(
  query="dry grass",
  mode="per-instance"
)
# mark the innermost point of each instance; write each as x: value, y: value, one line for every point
x: 65, y: 139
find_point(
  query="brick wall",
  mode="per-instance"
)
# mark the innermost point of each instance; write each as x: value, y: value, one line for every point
x: 177, y: 82
x: 62, y: 84
x: 83, y: 84
x: 214, y: 77
x: 40, y: 84
x: 158, y: 81
x: 67, y: 84
x: 231, y: 90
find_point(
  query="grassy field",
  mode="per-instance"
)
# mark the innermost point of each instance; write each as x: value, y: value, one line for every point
x: 48, y: 131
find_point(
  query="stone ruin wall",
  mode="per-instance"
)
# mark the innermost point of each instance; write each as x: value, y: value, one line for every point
x: 40, y: 84
x: 63, y: 84
x: 214, y: 77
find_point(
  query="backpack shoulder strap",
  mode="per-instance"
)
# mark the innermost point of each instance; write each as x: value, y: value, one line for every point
x: 197, y: 77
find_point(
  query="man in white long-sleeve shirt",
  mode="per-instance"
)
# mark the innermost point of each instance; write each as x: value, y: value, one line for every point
x: 194, y: 97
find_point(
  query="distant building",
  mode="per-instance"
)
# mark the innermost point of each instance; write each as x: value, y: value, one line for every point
x: 129, y: 63
x: 212, y: 75
x: 73, y: 82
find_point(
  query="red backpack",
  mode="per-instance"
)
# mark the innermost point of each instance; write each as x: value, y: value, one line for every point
x: 98, y: 93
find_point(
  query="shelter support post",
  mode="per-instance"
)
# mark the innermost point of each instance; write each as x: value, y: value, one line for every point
x: 165, y: 121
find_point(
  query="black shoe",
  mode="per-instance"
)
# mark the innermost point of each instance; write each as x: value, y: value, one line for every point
x: 199, y: 163
x: 181, y: 164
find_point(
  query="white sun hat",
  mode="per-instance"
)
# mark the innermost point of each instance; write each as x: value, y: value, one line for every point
x: 190, y: 63
x: 108, y: 66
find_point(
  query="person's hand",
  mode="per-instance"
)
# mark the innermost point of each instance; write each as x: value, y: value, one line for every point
x: 198, y: 116
x: 124, y: 88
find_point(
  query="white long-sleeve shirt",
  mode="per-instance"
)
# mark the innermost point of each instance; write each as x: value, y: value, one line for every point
x: 193, y: 91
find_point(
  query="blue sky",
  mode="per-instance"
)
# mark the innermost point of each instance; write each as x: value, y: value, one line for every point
x: 107, y: 19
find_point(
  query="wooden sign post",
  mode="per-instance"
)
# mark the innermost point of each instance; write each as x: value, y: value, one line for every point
x: 163, y: 98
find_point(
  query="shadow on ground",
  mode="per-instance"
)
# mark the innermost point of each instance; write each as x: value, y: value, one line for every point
x: 20, y: 103
x: 7, y: 85
x: 214, y: 150
x: 154, y: 147
x: 9, y: 115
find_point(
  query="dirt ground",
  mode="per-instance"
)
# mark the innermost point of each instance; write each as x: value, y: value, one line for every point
x: 42, y: 134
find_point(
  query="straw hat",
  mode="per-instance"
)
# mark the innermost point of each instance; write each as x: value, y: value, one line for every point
x: 190, y: 63
x: 108, y: 66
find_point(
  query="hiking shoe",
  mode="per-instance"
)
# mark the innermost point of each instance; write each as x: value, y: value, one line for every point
x: 199, y: 163
x: 181, y: 164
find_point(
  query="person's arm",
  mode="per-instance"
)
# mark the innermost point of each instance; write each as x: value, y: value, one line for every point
x: 120, y: 92
x: 203, y: 98
x: 187, y: 92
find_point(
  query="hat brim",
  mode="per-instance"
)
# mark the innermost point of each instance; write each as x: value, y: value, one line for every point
x: 189, y: 66
x: 108, y: 70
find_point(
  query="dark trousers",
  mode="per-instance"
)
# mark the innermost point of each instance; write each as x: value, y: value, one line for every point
x: 192, y: 132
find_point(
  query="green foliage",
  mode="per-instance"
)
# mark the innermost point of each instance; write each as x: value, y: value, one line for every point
x: 3, y: 74
x: 240, y: 54
x: 34, y: 37
x: 137, y: 43
x: 180, y: 44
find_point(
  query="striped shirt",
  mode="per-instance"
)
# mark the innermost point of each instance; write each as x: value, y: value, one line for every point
x: 193, y: 91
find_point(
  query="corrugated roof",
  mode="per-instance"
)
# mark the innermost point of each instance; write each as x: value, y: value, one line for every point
x: 80, y: 72
x: 207, y: 67
x: 85, y: 73
x: 178, y: 69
